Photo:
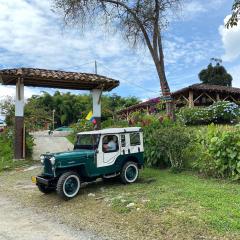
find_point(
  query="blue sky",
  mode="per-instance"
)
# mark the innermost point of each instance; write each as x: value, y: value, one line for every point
x: 31, y: 35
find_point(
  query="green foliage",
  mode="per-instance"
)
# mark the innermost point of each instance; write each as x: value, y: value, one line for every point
x: 111, y: 123
x: 6, y: 143
x: 194, y: 116
x: 219, y: 112
x: 233, y: 21
x: 164, y: 145
x: 69, y: 109
x: 215, y: 75
x: 29, y: 145
x: 220, y: 153
x: 6, y: 149
x: 80, y: 126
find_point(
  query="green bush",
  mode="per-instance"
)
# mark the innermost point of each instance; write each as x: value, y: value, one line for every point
x: 110, y: 123
x: 164, y: 145
x: 219, y: 112
x: 194, y: 116
x: 219, y: 154
x: 80, y: 126
x: 224, y: 112
x: 29, y: 145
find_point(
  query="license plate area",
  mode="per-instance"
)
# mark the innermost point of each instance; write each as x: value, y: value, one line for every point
x: 34, y: 179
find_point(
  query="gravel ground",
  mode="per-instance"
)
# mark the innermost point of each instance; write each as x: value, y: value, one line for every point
x: 27, y: 224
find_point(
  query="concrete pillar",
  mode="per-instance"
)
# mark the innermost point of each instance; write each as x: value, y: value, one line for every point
x: 190, y: 99
x: 19, y: 143
x: 218, y: 97
x: 96, y: 98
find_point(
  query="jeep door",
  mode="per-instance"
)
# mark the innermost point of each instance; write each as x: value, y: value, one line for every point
x: 108, y: 150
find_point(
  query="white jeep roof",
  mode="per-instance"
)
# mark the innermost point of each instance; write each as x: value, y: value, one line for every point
x: 112, y: 130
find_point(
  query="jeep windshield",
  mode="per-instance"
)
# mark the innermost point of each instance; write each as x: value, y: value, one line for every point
x: 87, y: 141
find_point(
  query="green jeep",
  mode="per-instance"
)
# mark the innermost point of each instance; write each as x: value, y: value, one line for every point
x: 103, y: 154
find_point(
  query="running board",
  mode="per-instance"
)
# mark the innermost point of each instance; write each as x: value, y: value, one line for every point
x: 111, y: 176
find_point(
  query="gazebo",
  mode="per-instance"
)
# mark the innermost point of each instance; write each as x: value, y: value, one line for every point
x: 198, y: 95
x: 205, y: 94
x: 34, y: 77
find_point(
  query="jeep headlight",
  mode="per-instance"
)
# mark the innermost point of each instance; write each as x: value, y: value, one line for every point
x: 52, y: 160
x: 42, y: 159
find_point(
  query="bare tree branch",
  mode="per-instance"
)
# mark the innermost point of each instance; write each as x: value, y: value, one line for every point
x: 139, y: 21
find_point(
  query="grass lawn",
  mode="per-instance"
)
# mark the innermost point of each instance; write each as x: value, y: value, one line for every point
x: 185, y: 197
x: 163, y: 205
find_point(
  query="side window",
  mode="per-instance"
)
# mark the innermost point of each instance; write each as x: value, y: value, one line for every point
x: 123, y: 140
x: 135, y: 139
x: 110, y: 143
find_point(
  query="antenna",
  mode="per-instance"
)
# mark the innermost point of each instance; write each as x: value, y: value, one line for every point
x: 95, y: 67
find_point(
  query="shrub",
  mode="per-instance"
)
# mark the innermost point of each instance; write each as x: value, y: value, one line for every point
x: 194, y: 116
x: 110, y: 123
x: 219, y: 112
x: 29, y: 145
x: 224, y: 112
x: 164, y: 145
x: 220, y: 153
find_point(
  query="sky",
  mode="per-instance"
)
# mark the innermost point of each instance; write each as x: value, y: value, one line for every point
x: 33, y: 35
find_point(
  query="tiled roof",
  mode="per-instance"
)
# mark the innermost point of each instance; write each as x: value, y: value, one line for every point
x: 57, y: 79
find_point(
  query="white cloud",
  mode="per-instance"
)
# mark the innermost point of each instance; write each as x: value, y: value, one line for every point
x: 235, y: 72
x: 10, y: 91
x: 193, y: 8
x: 231, y: 41
x: 33, y: 36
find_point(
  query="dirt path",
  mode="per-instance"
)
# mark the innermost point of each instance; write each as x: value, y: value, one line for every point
x: 54, y: 143
x: 18, y: 223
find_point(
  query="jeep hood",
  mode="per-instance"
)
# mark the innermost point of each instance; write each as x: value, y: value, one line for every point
x: 73, y: 154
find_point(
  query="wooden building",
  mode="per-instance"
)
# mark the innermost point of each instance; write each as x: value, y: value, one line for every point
x: 195, y: 95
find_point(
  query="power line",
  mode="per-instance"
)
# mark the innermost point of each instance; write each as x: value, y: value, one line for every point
x: 129, y: 82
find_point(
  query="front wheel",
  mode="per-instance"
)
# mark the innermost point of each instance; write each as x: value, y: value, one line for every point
x: 129, y: 173
x: 68, y: 185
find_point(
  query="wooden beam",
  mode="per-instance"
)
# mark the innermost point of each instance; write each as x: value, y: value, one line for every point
x: 190, y: 99
x: 198, y: 97
x: 210, y: 97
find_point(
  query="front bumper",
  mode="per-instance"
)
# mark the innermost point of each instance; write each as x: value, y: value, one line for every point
x: 43, y: 180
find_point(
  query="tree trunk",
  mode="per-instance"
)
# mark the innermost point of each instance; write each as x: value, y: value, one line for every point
x: 164, y: 85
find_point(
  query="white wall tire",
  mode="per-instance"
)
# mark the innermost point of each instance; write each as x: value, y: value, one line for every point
x: 68, y: 185
x: 129, y: 173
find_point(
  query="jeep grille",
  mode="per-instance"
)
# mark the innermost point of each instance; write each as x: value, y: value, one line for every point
x: 47, y: 166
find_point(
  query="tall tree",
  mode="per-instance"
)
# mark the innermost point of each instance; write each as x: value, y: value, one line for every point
x: 139, y: 20
x: 215, y: 75
x: 233, y: 21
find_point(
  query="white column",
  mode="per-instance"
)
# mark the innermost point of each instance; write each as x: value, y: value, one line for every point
x: 19, y: 143
x: 19, y: 102
x: 96, y: 98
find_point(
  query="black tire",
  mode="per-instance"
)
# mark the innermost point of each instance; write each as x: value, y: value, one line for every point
x: 129, y: 177
x: 44, y: 189
x: 66, y: 189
